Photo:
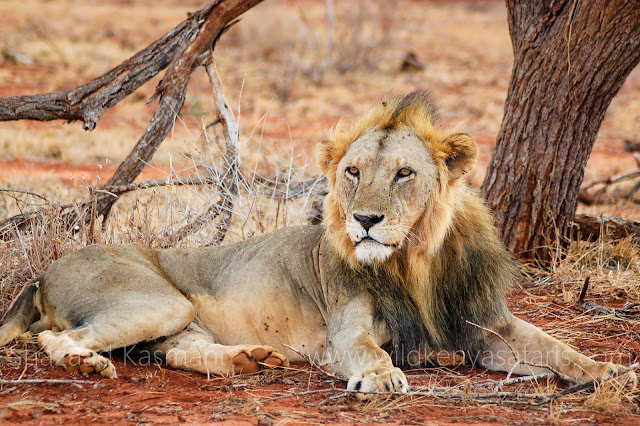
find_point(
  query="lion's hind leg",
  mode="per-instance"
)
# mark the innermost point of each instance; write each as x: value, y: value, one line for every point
x: 194, y: 349
x: 122, y: 320
x: 66, y: 348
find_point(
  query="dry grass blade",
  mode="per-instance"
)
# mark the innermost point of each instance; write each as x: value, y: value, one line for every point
x: 590, y: 385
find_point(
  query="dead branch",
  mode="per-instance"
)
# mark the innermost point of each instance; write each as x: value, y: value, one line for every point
x: 89, y: 101
x: 20, y: 191
x: 615, y: 179
x: 314, y: 187
x: 601, y: 196
x: 6, y: 227
x: 182, y: 50
x: 496, y: 385
x: 590, y: 385
x: 228, y: 185
x: 45, y: 381
x: 629, y: 310
x: 592, y: 228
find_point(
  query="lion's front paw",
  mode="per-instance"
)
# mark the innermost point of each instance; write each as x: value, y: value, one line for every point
x: 616, y: 373
x: 378, y: 380
x: 255, y: 358
x: 607, y: 371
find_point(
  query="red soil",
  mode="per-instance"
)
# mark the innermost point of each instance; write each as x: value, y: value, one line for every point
x: 156, y: 394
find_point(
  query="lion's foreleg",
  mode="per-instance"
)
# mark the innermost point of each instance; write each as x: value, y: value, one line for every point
x: 354, y: 353
x: 522, y: 348
x: 194, y: 349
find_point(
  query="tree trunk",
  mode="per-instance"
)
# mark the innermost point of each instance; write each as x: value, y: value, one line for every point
x: 570, y: 59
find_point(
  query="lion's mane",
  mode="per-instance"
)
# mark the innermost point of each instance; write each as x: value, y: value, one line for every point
x: 453, y: 271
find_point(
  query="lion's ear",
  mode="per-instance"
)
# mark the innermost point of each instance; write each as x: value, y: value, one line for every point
x: 325, y: 151
x: 463, y: 154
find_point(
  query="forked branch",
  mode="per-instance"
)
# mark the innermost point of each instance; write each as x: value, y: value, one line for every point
x: 182, y: 50
x: 228, y: 180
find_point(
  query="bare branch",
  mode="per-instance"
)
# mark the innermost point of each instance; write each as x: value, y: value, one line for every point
x: 182, y: 50
x: 89, y: 101
x: 230, y: 169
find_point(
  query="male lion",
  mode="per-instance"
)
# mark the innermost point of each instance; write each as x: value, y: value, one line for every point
x: 407, y: 259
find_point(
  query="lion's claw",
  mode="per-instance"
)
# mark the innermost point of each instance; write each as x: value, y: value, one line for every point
x: 378, y: 380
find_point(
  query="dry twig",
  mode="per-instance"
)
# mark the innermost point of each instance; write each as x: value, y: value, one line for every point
x: 230, y: 170
x: 628, y: 310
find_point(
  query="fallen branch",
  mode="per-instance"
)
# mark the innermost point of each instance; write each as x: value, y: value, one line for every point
x: 44, y: 381
x: 499, y: 384
x: 627, y: 311
x: 182, y: 50
x: 615, y: 179
x: 592, y: 228
x: 601, y: 196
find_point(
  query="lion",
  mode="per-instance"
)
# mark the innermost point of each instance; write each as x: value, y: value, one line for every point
x: 407, y: 261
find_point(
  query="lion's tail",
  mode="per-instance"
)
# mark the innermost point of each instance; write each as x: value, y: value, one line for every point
x: 21, y: 314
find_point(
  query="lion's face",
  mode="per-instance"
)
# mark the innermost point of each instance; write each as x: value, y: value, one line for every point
x: 383, y: 184
x: 394, y: 179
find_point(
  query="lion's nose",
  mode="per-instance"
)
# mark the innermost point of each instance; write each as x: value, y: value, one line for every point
x: 367, y: 221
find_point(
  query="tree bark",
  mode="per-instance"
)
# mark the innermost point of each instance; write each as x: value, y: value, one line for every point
x: 570, y: 59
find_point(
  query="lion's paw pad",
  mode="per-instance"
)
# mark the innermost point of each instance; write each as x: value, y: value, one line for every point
x: 252, y: 360
x: 89, y: 362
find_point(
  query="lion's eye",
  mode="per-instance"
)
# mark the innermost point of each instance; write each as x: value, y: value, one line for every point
x: 353, y: 171
x: 403, y: 173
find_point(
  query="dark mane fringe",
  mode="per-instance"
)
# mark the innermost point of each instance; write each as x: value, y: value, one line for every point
x: 467, y: 282
x: 393, y: 306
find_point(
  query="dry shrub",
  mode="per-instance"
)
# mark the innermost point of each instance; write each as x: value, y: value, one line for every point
x: 153, y: 216
x: 309, y: 42
x: 612, y: 265
x: 609, y: 397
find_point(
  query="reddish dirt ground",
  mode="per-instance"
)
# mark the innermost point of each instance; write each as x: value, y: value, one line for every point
x: 67, y: 174
x: 156, y: 394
